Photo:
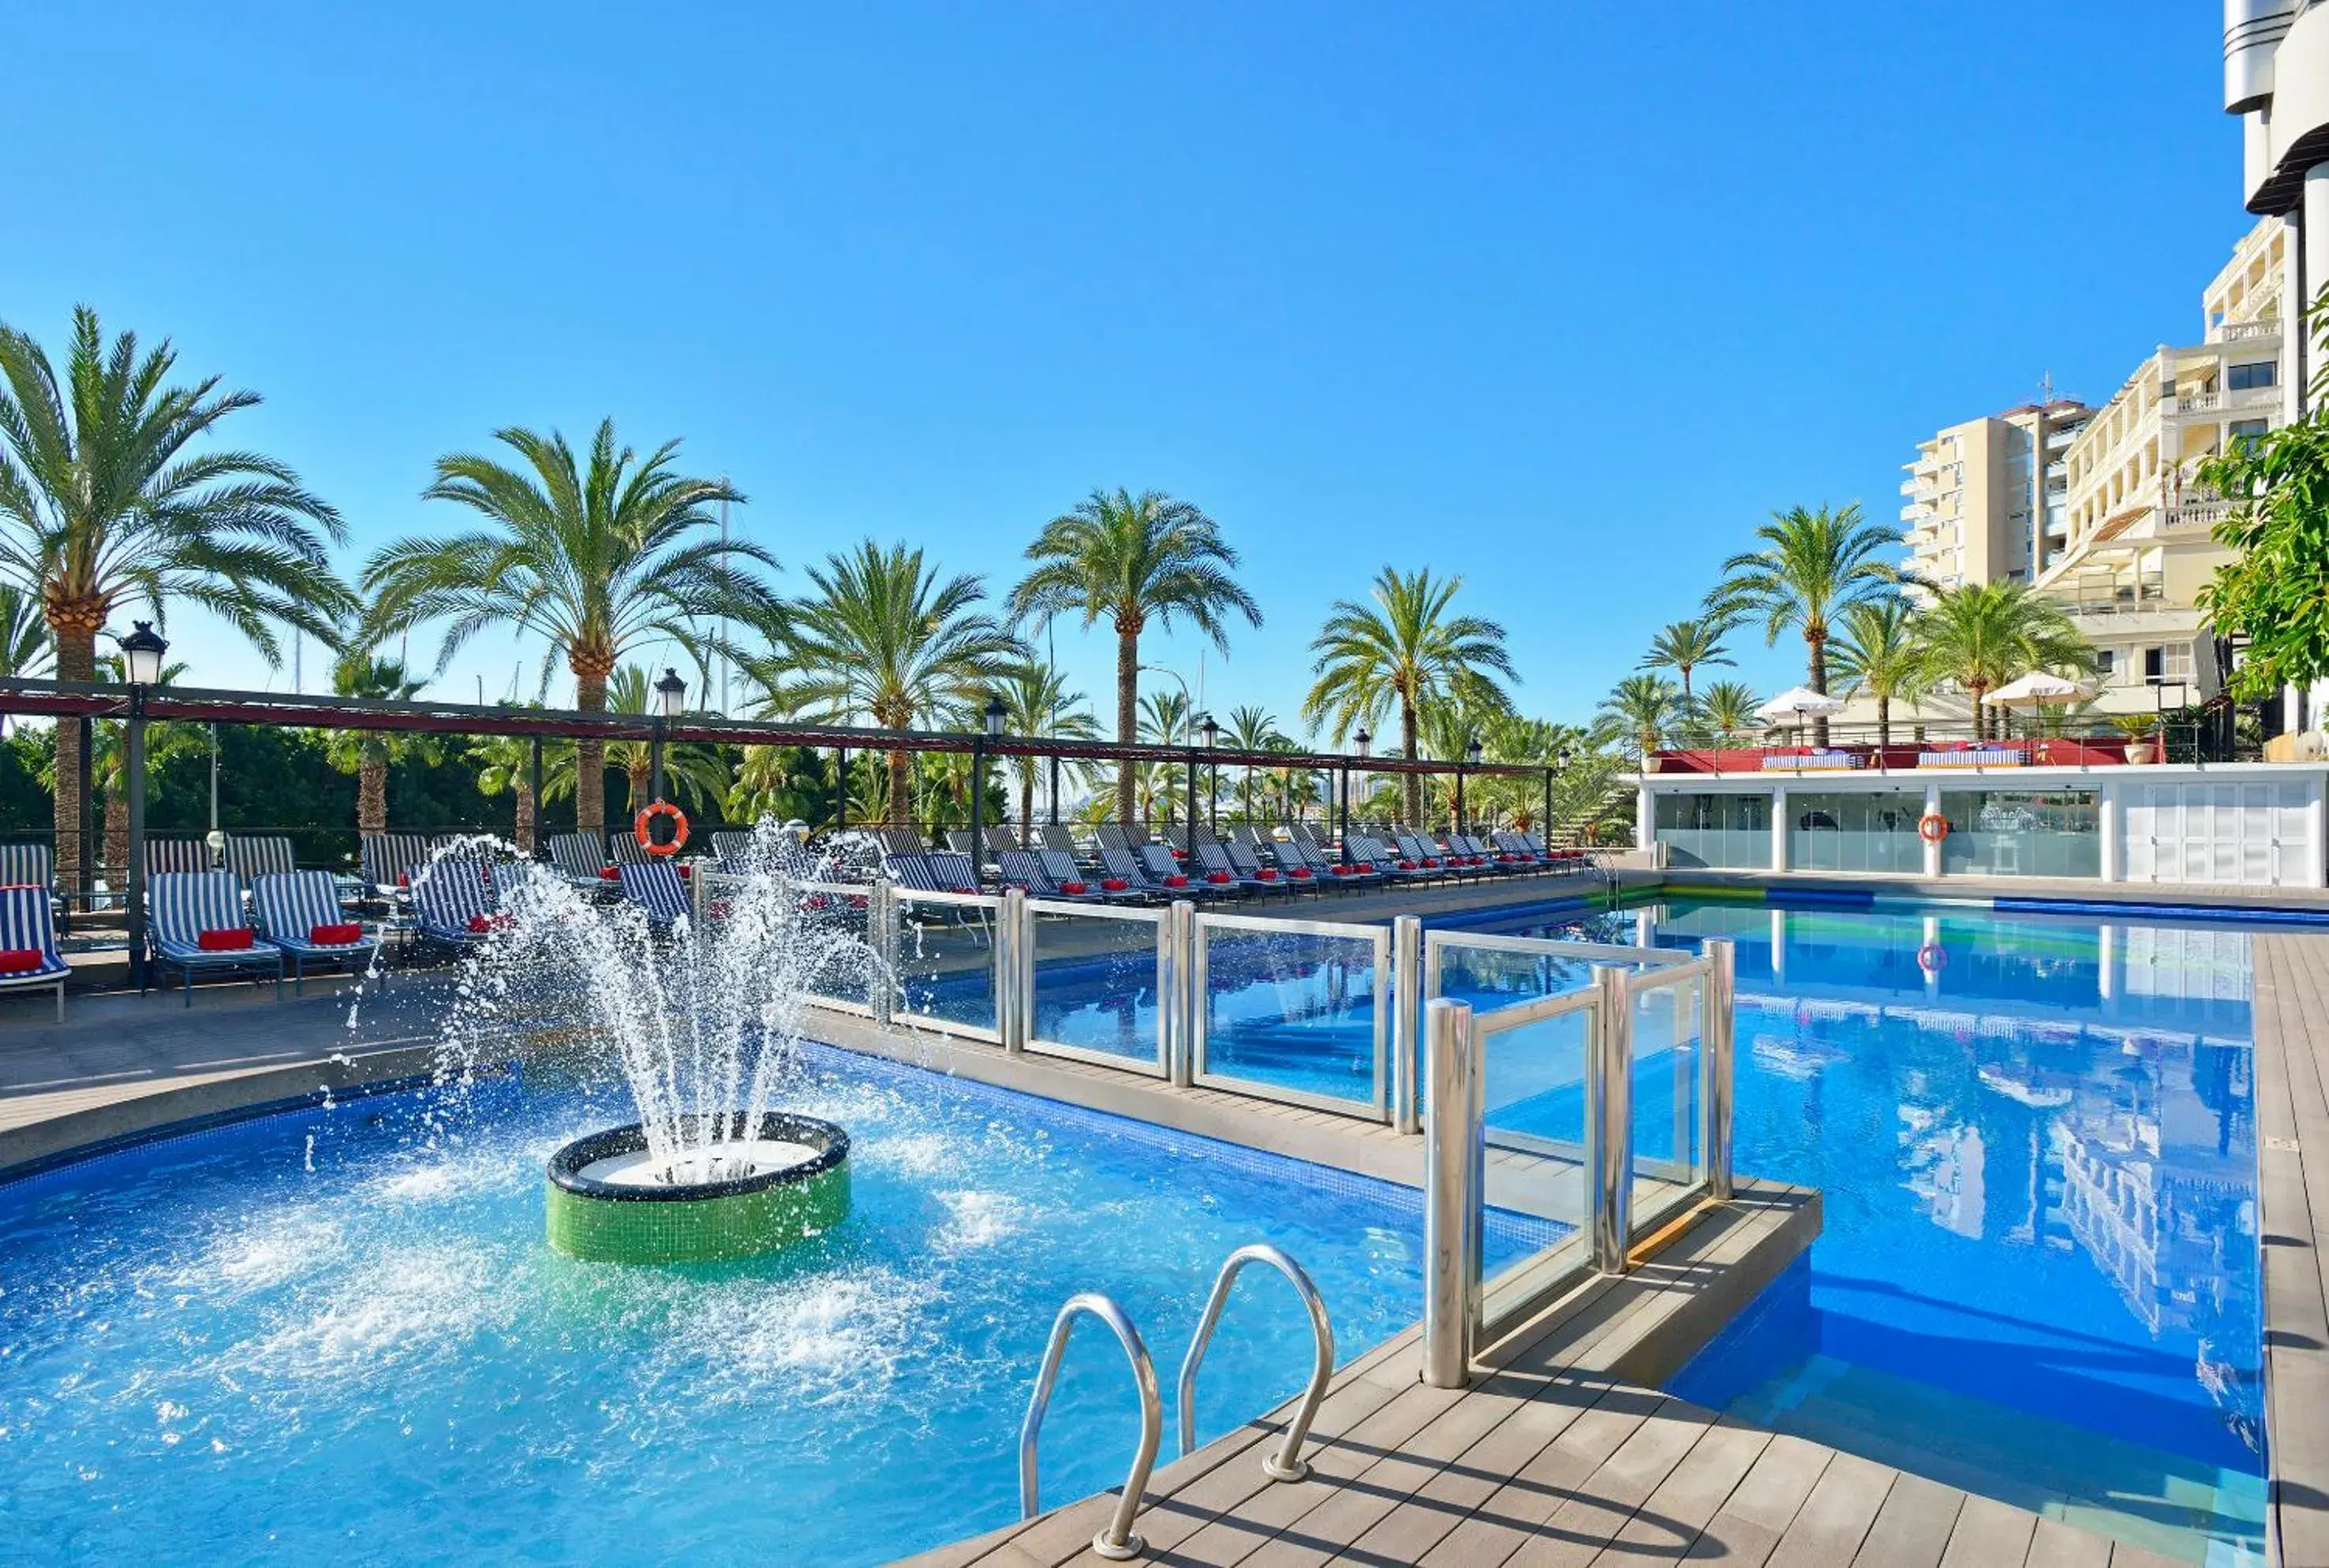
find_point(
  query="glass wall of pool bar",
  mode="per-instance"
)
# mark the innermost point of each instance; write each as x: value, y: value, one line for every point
x: 2239, y: 824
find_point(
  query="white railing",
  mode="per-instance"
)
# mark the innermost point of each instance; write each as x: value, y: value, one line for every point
x: 2243, y: 331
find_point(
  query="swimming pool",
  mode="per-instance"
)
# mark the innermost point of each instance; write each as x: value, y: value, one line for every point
x: 337, y: 1333
x: 2039, y: 1275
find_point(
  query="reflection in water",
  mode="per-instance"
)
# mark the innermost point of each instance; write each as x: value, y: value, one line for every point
x: 2034, y: 1137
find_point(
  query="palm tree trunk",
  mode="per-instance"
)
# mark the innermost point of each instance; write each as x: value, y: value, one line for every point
x: 590, y: 755
x: 1410, y: 785
x: 639, y: 774
x: 1818, y: 644
x: 1127, y: 713
x: 1883, y: 724
x: 372, y: 793
x: 1027, y: 802
x: 525, y: 816
x: 76, y: 641
x: 902, y: 790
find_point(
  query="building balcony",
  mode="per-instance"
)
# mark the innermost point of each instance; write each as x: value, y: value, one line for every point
x: 2219, y: 404
x: 2195, y: 515
x: 2245, y: 332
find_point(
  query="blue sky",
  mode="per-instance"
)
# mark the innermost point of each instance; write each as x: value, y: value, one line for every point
x: 1552, y: 296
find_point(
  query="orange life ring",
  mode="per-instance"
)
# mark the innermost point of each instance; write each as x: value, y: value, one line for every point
x: 648, y: 841
x: 1932, y: 827
x: 1932, y: 958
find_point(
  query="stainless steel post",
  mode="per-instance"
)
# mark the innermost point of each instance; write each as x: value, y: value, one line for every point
x: 1610, y: 1117
x: 1718, y: 1096
x: 1453, y: 1161
x: 1406, y: 1021
x: 132, y: 772
x: 882, y: 931
x: 1011, y: 978
x: 1179, y: 1000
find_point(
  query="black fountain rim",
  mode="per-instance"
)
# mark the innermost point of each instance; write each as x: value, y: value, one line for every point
x: 566, y: 1165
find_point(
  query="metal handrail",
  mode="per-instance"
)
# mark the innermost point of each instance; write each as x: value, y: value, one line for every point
x: 1287, y: 1463
x: 1117, y: 1542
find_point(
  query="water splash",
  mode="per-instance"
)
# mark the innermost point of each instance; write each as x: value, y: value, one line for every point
x: 700, y: 1019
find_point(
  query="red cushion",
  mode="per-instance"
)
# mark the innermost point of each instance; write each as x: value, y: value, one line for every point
x: 21, y: 960
x: 1219, y: 878
x: 1073, y: 888
x: 234, y: 939
x: 609, y: 874
x: 1267, y: 874
x: 335, y: 935
x: 1407, y: 865
x: 1176, y: 881
x: 686, y: 870
x: 1114, y: 884
x: 1299, y: 872
x: 481, y: 924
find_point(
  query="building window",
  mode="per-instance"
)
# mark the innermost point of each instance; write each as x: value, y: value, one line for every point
x: 2241, y: 377
x: 2104, y: 659
x: 1714, y: 829
x: 2022, y: 833
x: 2154, y: 663
x: 1856, y: 831
x: 2180, y: 663
x: 2247, y: 430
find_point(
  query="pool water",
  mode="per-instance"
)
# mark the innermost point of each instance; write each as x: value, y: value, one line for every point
x: 338, y: 1334
x: 2034, y: 1137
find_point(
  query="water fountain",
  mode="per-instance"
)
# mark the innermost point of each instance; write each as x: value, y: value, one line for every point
x: 699, y: 1020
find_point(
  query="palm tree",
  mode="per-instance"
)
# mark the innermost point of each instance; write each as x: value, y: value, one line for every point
x: 101, y: 505
x: 1251, y: 729
x: 1137, y: 560
x: 886, y: 638
x: 1037, y: 701
x: 23, y: 635
x: 108, y: 762
x: 596, y: 560
x: 1406, y: 648
x: 1165, y: 718
x: 367, y: 753
x: 506, y: 762
x: 1984, y: 635
x: 1687, y: 645
x: 1726, y: 711
x: 1637, y: 713
x: 1810, y: 566
x: 1877, y: 656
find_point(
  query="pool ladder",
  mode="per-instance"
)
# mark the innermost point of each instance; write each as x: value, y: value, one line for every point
x: 1117, y: 1541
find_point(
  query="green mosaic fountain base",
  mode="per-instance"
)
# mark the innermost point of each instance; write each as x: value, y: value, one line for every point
x: 731, y: 1219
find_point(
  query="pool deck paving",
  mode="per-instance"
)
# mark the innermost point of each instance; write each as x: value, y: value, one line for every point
x: 2292, y: 1109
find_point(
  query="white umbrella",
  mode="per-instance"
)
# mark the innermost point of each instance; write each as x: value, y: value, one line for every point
x: 1799, y: 702
x: 2040, y: 686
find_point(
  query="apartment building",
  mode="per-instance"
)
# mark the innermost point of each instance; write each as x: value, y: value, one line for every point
x: 2133, y: 546
x: 1981, y: 495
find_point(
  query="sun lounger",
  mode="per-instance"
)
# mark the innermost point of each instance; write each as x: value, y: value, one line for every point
x: 250, y: 859
x: 389, y: 860
x: 28, y: 939
x: 1163, y: 868
x: 1377, y: 856
x: 1024, y: 870
x: 655, y: 886
x: 1249, y: 866
x: 1213, y: 861
x: 299, y: 912
x: 575, y: 858
x: 454, y: 901
x: 182, y: 906
x: 27, y: 866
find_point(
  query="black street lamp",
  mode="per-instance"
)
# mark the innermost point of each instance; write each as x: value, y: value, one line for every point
x: 141, y: 656
x: 1364, y: 742
x: 990, y: 728
x: 670, y: 701
x: 1472, y: 756
x: 1212, y: 732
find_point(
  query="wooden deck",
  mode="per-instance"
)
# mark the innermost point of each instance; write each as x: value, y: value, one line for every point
x: 2292, y: 1109
x: 1559, y: 1454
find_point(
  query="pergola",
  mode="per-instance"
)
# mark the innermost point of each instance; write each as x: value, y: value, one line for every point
x: 137, y: 704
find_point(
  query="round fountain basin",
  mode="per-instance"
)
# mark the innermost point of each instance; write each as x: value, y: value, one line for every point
x: 610, y: 1200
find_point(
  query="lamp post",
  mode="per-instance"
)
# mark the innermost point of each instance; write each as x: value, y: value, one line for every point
x: 214, y: 840
x: 990, y: 730
x: 1364, y: 742
x: 1471, y: 756
x: 670, y: 701
x: 1212, y: 732
x: 141, y: 654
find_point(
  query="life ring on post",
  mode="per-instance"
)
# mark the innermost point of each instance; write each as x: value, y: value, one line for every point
x: 643, y: 829
x: 1932, y: 958
x: 1932, y: 827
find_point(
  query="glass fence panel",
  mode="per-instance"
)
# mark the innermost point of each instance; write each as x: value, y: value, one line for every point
x: 1669, y: 1158
x: 1854, y: 830
x: 1496, y: 977
x: 839, y: 967
x: 1095, y: 985
x: 944, y: 955
x: 1533, y: 1095
x: 1717, y: 828
x: 1292, y: 1010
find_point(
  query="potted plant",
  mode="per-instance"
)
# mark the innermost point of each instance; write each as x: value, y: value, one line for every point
x: 2139, y: 730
